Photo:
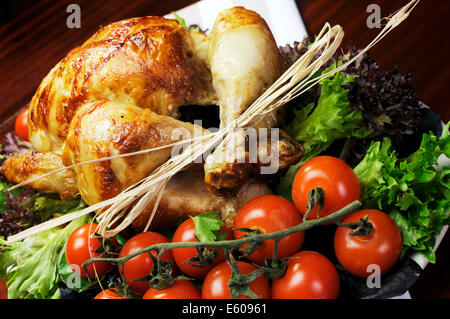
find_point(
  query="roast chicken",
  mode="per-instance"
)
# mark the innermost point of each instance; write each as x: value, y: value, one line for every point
x: 121, y: 91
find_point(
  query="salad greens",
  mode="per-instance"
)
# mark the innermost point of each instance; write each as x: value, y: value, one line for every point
x: 183, y: 23
x: 369, y: 104
x: 23, y: 208
x: 318, y: 126
x: 31, y: 266
x: 387, y: 100
x: 69, y: 277
x: 413, y: 191
x: 333, y: 118
x: 47, y: 207
x: 3, y: 195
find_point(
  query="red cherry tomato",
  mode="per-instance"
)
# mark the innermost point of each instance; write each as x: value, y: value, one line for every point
x: 181, y: 289
x: 309, y: 275
x: 185, y: 233
x: 270, y: 213
x: 381, y: 247
x: 141, y: 265
x: 21, y: 125
x: 108, y: 294
x: 215, y: 285
x: 337, y: 180
x: 80, y: 248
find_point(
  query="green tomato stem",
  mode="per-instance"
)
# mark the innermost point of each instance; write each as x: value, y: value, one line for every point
x: 236, y: 243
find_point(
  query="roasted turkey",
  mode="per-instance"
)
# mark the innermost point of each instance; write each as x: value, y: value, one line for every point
x: 121, y: 91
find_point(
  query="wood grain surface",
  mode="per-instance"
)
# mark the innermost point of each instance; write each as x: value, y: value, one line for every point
x: 34, y: 37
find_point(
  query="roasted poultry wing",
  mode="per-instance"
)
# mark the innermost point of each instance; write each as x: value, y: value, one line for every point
x: 120, y: 92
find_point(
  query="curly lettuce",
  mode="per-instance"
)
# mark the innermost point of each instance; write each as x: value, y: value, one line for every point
x: 413, y: 191
x: 333, y: 118
x: 318, y: 126
x: 31, y: 266
x: 23, y: 208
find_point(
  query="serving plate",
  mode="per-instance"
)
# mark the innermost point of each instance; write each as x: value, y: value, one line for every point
x: 285, y: 21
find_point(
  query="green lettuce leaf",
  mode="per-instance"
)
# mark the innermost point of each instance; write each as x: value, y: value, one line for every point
x: 47, y: 207
x: 31, y: 266
x: 318, y: 127
x: 413, y: 191
x: 23, y: 208
x: 69, y: 277
x: 8, y: 257
x: 331, y: 119
x: 3, y: 192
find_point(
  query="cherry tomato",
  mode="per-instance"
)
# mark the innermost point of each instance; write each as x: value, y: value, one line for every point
x: 141, y: 265
x: 270, y: 213
x: 80, y: 247
x: 215, y: 285
x: 185, y: 233
x: 337, y: 180
x: 181, y: 289
x: 21, y: 125
x: 309, y: 275
x: 108, y: 294
x: 381, y: 247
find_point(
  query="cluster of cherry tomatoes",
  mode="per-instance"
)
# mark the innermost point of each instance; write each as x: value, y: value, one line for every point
x: 308, y: 274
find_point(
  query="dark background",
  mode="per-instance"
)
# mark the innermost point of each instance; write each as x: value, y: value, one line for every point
x: 34, y: 37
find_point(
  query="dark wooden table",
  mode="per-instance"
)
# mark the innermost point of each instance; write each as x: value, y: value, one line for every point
x: 34, y: 37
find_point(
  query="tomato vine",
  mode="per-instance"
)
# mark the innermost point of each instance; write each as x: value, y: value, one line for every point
x: 239, y: 283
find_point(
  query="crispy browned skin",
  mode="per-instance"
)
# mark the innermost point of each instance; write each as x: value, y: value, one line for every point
x: 102, y: 129
x: 225, y: 178
x: 289, y: 151
x: 148, y: 62
x: 20, y: 168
